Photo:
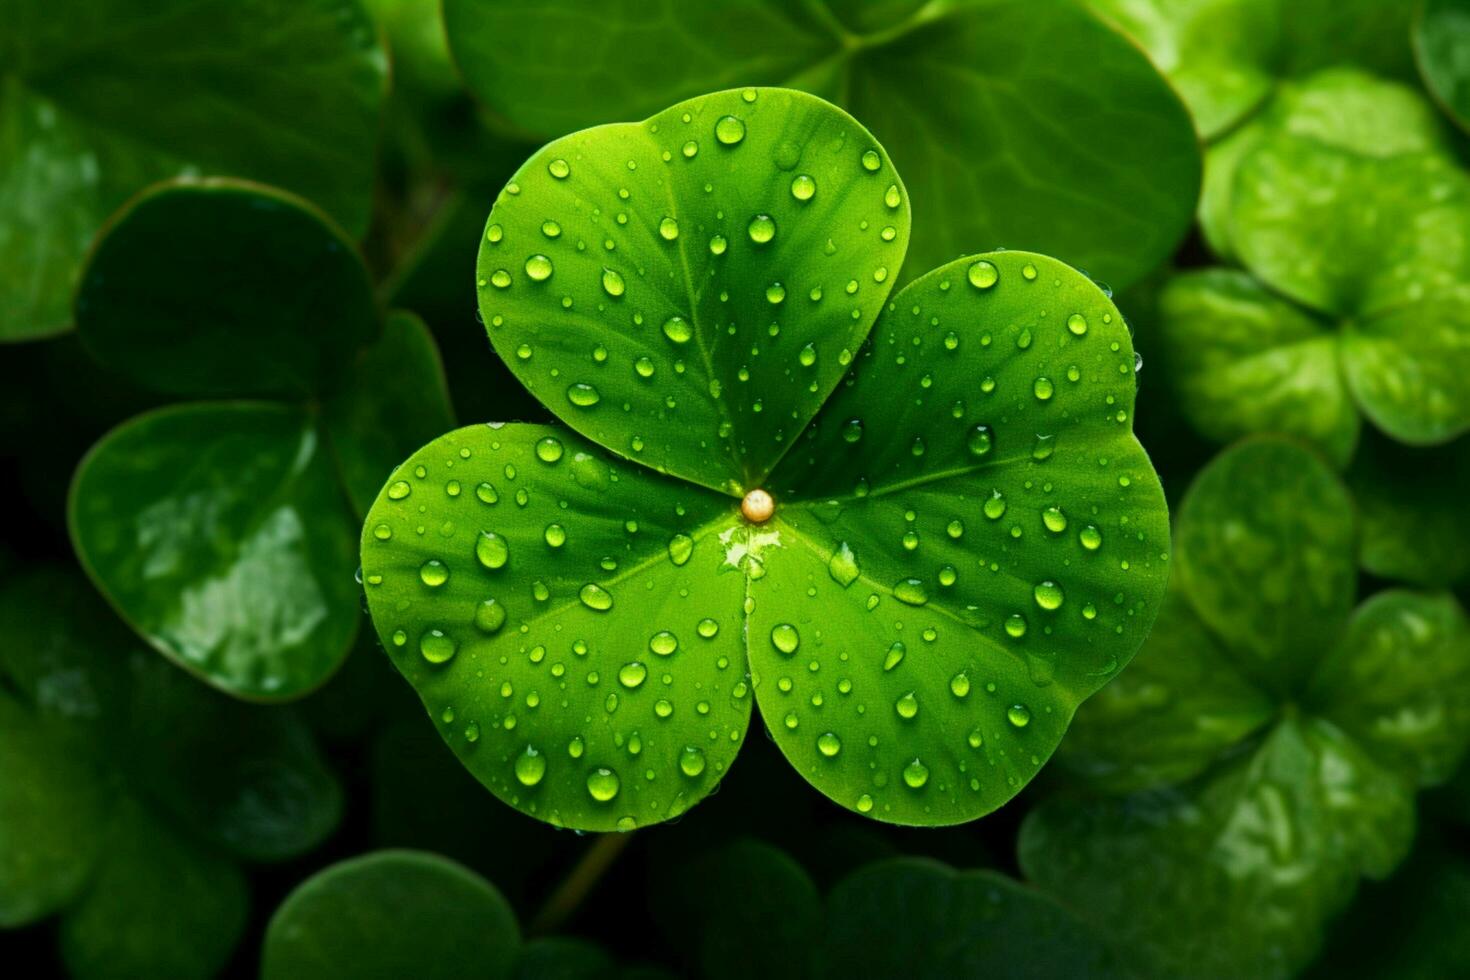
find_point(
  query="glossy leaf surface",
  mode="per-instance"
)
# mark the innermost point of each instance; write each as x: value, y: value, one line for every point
x: 392, y: 914
x: 270, y: 308
x: 687, y: 290
x: 218, y: 532
x: 282, y: 93
x: 1042, y: 100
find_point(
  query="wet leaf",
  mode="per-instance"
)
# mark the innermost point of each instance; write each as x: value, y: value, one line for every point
x: 1440, y: 30
x: 976, y: 96
x: 287, y: 94
x: 392, y: 914
x: 270, y: 308
x: 218, y: 532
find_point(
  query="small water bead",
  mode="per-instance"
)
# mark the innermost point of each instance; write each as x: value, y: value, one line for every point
x: 947, y: 575
x: 398, y: 490
x: 959, y: 685
x: 980, y: 440
x: 1028, y: 272
x: 843, y: 565
x: 1077, y: 323
x: 583, y: 395
x: 707, y: 628
x: 555, y: 535
x: 644, y: 367
x: 437, y: 647
x: 762, y: 228
x: 894, y: 656
x: 983, y: 275
x: 691, y: 761
x: 1043, y: 389
x: 559, y: 169
x: 717, y: 245
x: 549, y: 449
x: 915, y: 775
x: 907, y: 706
x: 494, y: 234
x: 955, y: 529
x: 864, y: 803
x: 852, y: 430
x: 382, y: 532
x: 472, y: 730
x: 491, y: 550
x: 1018, y: 715
x: 663, y: 643
x: 785, y: 638
x: 807, y: 356
x: 663, y: 707
x: 603, y: 784
x: 1048, y: 595
x: 595, y: 597
x: 872, y: 162
x: 803, y: 188
x: 829, y: 744
x: 1043, y: 448
x: 1053, y: 519
x: 434, y: 573
x: 612, y: 283
x: 994, y: 506
x: 1090, y: 537
x: 530, y: 767
x: 576, y: 747
x: 730, y: 130
x: 681, y: 546
x: 668, y: 229
x: 775, y: 293
x: 500, y: 279
x: 1015, y: 626
x: 632, y: 675
x: 891, y: 196
x: 538, y: 267
x: 911, y: 592
x: 690, y: 149
x: 550, y: 229
x: 489, y: 616
x: 677, y: 329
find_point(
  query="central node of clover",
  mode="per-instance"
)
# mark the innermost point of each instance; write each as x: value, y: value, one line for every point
x: 757, y: 506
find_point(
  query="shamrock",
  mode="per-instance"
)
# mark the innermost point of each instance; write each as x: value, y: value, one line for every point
x: 1264, y: 748
x: 915, y: 529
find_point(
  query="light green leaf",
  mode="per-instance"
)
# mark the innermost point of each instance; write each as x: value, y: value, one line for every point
x: 98, y: 102
x: 688, y: 290
x: 276, y: 306
x: 392, y: 914
x: 394, y: 400
x: 573, y: 622
x: 53, y: 805
x: 960, y: 566
x: 1243, y: 361
x: 1265, y: 548
x: 218, y: 532
x: 1415, y: 525
x: 158, y: 905
x: 1399, y: 682
x: 1029, y: 123
x: 1440, y: 33
x: 1179, y: 707
x: 1235, y: 874
x: 916, y: 918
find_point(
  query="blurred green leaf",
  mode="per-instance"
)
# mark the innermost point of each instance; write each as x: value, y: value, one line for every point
x: 1030, y: 122
x: 275, y: 306
x: 219, y: 533
x: 392, y: 914
x: 1442, y: 50
x: 100, y: 101
x: 1410, y: 501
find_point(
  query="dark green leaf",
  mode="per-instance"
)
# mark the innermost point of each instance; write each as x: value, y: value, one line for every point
x: 1266, y: 557
x: 1235, y: 874
x: 563, y: 958
x: 392, y: 914
x: 962, y: 564
x: 1029, y: 122
x: 158, y: 905
x: 1399, y: 682
x: 1442, y: 49
x: 919, y: 919
x: 100, y: 101
x: 394, y: 401
x: 626, y: 271
x: 220, y: 287
x: 573, y: 622
x: 1415, y: 525
x: 219, y: 533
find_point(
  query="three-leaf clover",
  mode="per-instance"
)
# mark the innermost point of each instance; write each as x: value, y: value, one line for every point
x: 916, y: 545
x: 223, y: 530
x: 282, y: 93
x: 1352, y: 230
x: 1264, y: 748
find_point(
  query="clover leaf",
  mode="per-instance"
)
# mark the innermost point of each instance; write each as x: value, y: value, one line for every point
x: 1308, y: 339
x: 221, y: 530
x: 1029, y: 122
x: 917, y: 576
x: 1443, y: 56
x: 129, y: 793
x: 286, y: 94
x: 1415, y: 528
x: 1263, y: 750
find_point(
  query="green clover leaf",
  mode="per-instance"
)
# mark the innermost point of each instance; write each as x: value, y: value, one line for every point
x: 1415, y: 527
x: 1244, y: 772
x: 917, y: 576
x: 222, y: 531
x: 286, y: 94
x: 1028, y: 121
x: 1443, y: 56
x: 1308, y: 340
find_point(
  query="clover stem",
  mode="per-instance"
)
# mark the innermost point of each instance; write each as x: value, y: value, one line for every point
x: 575, y: 888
